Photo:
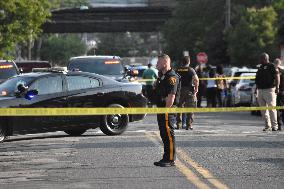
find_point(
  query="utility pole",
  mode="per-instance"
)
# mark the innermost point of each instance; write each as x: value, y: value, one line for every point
x: 228, y: 15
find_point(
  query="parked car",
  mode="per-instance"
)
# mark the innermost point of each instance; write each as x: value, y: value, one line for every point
x: 110, y: 66
x: 236, y: 72
x: 241, y: 92
x: 254, y: 102
x: 8, y: 68
x: 140, y: 70
x: 231, y: 83
x: 73, y: 89
x: 26, y: 66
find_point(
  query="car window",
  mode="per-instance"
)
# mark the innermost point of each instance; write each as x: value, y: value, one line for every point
x: 247, y: 81
x: 9, y: 87
x: 98, y: 66
x: 81, y: 82
x: 7, y: 69
x: 48, y: 85
x: 27, y: 66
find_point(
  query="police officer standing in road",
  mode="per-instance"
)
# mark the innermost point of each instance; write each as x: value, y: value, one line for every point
x: 167, y: 91
x: 189, y: 88
x: 267, y: 84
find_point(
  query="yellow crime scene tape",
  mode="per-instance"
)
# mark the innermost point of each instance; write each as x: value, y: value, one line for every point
x: 215, y: 78
x: 228, y: 78
x: 108, y: 111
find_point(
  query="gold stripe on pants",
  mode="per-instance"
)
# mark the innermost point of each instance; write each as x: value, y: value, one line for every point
x: 170, y: 137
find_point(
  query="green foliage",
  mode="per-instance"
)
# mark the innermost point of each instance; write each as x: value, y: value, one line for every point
x: 253, y: 34
x: 126, y: 44
x: 196, y: 26
x: 59, y: 50
x: 253, y: 3
x: 279, y: 7
x: 20, y: 21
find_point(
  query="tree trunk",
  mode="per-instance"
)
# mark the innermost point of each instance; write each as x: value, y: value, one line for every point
x: 38, y: 47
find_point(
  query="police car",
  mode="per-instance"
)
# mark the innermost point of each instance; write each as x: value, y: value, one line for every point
x: 53, y: 88
x: 8, y: 68
x: 110, y: 66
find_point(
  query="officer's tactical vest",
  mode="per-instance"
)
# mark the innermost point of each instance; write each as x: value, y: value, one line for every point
x: 265, y: 76
x: 281, y: 86
x: 186, y: 74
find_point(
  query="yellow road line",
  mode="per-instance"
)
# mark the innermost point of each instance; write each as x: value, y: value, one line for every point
x: 190, y: 175
x: 204, y: 172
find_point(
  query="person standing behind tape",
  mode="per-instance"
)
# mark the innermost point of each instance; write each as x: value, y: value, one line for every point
x: 167, y: 91
x: 201, y: 72
x: 221, y: 86
x: 189, y: 88
x: 151, y: 75
x: 280, y: 95
x: 211, y: 90
x: 267, y: 85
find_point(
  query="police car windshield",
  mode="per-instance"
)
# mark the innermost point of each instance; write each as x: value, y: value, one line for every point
x: 7, y: 70
x: 98, y: 66
x: 9, y: 87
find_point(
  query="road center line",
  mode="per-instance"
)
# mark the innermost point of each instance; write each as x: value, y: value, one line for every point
x: 204, y: 172
x: 190, y: 175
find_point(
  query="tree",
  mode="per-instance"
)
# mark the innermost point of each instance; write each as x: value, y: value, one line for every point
x: 126, y: 44
x: 253, y: 34
x: 20, y: 21
x: 279, y: 7
x: 58, y: 50
x: 196, y: 26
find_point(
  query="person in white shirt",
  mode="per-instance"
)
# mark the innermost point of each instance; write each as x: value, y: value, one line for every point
x: 211, y: 90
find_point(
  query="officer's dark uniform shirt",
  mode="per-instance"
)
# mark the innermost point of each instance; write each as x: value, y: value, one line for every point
x: 186, y: 74
x: 265, y: 76
x: 169, y: 83
x: 281, y: 85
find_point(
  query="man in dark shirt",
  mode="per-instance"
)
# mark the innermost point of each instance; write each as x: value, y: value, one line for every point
x: 189, y: 88
x: 267, y: 85
x: 167, y: 91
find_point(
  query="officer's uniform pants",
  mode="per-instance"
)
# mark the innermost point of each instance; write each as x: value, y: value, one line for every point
x: 166, y: 127
x: 280, y: 113
x: 149, y: 93
x: 267, y: 97
x: 187, y: 99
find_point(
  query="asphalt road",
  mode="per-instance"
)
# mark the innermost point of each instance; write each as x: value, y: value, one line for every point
x: 225, y: 150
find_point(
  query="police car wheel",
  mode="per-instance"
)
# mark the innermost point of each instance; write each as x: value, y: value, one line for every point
x: 75, y: 132
x: 3, y: 132
x: 114, y: 124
